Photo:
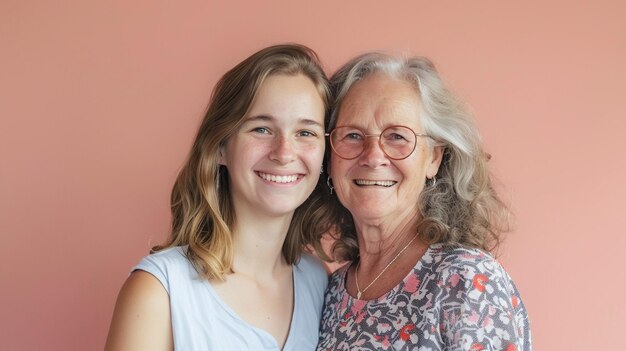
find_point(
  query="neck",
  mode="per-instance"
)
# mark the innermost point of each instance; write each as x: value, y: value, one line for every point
x: 257, y: 244
x: 379, y: 242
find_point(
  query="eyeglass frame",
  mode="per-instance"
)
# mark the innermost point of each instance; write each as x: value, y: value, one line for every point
x: 379, y: 141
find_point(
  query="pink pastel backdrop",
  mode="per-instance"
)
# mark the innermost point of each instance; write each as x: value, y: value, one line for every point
x: 99, y: 102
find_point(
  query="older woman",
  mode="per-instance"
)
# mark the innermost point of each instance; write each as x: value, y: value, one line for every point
x: 417, y: 219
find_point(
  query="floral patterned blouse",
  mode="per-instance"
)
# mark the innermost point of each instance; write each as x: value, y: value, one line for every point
x: 454, y: 299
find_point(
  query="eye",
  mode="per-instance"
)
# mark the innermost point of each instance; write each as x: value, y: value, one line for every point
x: 396, y: 136
x: 347, y: 135
x: 261, y: 130
x: 307, y: 133
x: 353, y: 136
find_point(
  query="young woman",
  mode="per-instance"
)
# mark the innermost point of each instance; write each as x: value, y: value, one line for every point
x: 249, y: 198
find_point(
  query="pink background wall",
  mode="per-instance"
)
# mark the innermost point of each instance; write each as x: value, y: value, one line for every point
x: 99, y: 102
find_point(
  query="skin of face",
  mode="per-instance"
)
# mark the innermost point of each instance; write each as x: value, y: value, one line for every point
x: 372, y: 104
x: 274, y: 160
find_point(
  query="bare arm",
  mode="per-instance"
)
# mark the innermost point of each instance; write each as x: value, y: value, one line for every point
x: 141, y: 320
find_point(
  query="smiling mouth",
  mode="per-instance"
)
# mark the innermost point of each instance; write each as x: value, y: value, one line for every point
x: 383, y: 183
x: 283, y: 179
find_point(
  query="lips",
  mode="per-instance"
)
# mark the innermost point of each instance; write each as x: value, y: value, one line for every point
x: 283, y: 179
x: 367, y: 182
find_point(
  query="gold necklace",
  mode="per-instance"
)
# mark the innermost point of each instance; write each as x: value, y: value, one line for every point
x: 356, y: 271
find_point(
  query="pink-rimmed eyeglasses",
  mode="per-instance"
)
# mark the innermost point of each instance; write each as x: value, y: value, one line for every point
x: 397, y: 142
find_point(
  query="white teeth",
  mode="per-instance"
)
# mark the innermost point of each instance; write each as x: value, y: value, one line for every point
x: 375, y: 182
x: 278, y: 178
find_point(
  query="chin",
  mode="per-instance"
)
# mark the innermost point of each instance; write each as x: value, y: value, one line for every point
x: 280, y: 208
x: 366, y: 212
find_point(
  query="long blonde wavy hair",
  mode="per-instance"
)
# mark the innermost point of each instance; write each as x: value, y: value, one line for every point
x: 202, y: 210
x: 462, y: 208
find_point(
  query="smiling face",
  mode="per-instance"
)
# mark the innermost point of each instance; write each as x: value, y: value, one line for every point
x: 372, y: 186
x: 274, y: 160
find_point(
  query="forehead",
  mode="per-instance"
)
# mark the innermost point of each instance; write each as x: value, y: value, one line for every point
x: 380, y: 101
x: 275, y: 86
x: 288, y: 97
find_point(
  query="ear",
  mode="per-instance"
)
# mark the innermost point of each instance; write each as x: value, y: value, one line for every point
x: 435, y: 161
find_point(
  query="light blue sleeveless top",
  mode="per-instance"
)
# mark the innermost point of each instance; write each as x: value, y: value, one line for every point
x: 202, y: 321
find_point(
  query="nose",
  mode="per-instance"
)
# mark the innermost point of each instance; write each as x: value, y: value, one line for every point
x: 373, y: 156
x: 283, y: 151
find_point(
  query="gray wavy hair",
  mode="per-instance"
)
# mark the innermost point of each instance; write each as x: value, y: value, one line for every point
x: 462, y: 208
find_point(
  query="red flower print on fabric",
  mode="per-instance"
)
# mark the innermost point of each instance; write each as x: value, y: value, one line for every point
x: 405, y: 332
x: 479, y: 282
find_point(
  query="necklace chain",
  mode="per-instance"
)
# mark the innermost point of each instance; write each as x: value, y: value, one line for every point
x: 356, y: 271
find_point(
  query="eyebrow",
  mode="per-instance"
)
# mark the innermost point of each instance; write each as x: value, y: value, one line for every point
x: 270, y: 118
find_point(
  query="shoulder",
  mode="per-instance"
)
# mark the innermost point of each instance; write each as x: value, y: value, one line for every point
x: 339, y: 274
x: 336, y: 281
x: 310, y: 282
x: 446, y: 255
x: 167, y: 265
x: 170, y: 256
x: 143, y: 289
x: 141, y: 312
x: 312, y: 268
x: 478, y: 297
x: 476, y: 267
x: 470, y: 276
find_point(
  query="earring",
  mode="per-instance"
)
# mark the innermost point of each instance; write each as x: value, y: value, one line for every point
x: 217, y: 177
x: 322, y: 170
x: 330, y: 186
x: 433, y: 181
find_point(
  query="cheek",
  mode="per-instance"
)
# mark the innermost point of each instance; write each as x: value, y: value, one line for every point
x: 313, y: 152
x: 246, y: 154
x: 312, y: 147
x: 415, y: 174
